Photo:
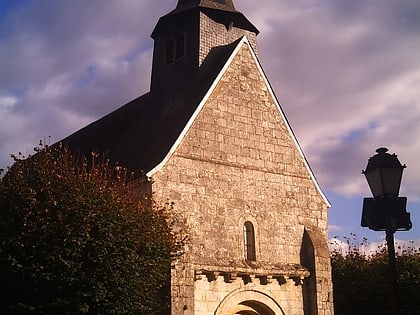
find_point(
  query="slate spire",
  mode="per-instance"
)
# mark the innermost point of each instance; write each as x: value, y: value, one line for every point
x: 225, y: 5
x: 185, y: 39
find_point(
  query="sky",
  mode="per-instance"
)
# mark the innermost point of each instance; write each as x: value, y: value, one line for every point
x: 346, y: 73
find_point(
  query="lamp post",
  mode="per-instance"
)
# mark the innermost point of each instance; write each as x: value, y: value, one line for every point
x: 386, y: 211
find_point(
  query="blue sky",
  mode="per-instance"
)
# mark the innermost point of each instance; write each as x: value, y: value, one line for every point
x: 347, y: 74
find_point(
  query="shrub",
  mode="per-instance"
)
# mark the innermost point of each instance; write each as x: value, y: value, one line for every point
x: 361, y: 280
x: 76, y: 238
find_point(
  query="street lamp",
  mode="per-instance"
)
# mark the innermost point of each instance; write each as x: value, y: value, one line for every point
x: 386, y: 211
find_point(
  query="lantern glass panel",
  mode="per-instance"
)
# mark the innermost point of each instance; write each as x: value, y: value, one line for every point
x: 391, y: 180
x: 375, y: 182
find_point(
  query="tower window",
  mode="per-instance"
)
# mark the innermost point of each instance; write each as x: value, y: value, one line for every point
x: 249, y: 241
x: 175, y: 48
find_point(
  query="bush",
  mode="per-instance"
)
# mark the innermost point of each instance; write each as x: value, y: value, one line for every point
x: 361, y: 280
x: 76, y: 239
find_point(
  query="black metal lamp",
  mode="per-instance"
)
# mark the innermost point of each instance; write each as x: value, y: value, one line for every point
x: 386, y: 211
x: 383, y: 173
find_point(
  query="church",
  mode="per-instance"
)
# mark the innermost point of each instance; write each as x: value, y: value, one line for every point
x: 211, y: 138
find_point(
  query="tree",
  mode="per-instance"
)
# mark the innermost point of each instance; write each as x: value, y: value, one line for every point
x: 75, y: 238
x: 361, y: 280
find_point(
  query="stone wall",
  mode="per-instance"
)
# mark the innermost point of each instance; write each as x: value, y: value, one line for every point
x: 237, y: 163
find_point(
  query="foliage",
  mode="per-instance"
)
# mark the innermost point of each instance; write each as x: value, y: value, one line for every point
x: 361, y: 280
x: 76, y: 239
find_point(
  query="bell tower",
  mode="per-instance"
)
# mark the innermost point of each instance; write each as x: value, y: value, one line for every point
x: 183, y: 40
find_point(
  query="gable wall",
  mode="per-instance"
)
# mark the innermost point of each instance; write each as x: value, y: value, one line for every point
x: 238, y: 163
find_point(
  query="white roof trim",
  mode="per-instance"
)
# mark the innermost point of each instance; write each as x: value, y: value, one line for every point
x: 187, y: 127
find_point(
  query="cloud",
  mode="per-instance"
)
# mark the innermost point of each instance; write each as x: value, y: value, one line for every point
x: 7, y: 103
x: 346, y: 73
x: 65, y: 64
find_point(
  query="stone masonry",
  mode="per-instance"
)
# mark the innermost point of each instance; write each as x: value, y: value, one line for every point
x: 239, y: 162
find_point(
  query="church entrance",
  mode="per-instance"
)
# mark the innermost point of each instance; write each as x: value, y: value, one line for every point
x: 248, y: 302
x: 252, y: 308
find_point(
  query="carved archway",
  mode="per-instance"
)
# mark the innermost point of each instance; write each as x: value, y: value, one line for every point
x: 248, y: 302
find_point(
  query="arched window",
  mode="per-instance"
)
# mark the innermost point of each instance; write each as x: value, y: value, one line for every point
x: 249, y: 241
x: 175, y: 48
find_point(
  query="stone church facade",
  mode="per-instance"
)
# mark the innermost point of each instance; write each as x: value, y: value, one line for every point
x: 254, y: 219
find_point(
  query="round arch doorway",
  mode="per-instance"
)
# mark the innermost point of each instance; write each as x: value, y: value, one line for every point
x: 248, y: 302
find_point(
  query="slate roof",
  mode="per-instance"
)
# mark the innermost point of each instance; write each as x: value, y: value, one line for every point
x: 224, y: 9
x: 225, y: 5
x: 140, y: 134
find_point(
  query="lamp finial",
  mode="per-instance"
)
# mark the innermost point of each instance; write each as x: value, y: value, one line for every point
x: 381, y: 150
